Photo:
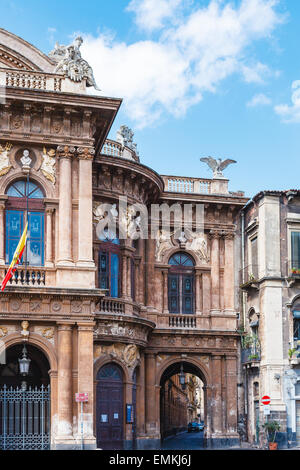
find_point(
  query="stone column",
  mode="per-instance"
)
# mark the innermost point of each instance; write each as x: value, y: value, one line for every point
x: 217, y: 426
x: 137, y: 264
x: 65, y: 392
x: 206, y: 293
x: 229, y: 273
x: 2, y: 234
x: 140, y: 399
x: 86, y: 382
x: 124, y: 276
x: 215, y: 271
x: 65, y: 206
x: 198, y: 293
x: 150, y: 272
x: 231, y: 379
x: 129, y: 277
x: 151, y: 424
x: 85, y: 217
x: 165, y: 291
x: 49, y: 237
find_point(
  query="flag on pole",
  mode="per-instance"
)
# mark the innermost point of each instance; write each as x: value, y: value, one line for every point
x: 16, y: 259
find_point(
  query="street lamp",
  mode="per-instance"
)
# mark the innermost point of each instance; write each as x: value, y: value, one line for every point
x: 24, y: 363
x: 182, y: 378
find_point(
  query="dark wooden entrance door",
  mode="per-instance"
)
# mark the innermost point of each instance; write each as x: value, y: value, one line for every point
x: 110, y: 408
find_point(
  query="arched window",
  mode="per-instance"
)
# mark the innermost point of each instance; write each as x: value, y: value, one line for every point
x: 109, y: 263
x: 296, y: 320
x: 16, y: 210
x: 181, y: 284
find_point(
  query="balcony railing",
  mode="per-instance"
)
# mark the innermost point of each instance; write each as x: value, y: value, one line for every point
x: 109, y: 305
x: 187, y: 185
x: 115, y: 149
x: 31, y: 80
x: 182, y: 321
x: 33, y: 277
x: 250, y: 355
x: 294, y: 268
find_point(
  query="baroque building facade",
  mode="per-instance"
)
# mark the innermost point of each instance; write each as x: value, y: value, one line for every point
x: 113, y: 317
x: 271, y: 306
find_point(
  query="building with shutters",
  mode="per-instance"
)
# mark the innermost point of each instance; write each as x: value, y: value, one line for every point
x: 271, y: 309
x: 112, y: 317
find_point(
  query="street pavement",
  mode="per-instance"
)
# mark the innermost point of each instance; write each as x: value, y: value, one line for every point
x: 184, y: 441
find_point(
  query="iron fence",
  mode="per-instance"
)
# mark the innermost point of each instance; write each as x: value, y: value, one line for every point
x: 25, y: 418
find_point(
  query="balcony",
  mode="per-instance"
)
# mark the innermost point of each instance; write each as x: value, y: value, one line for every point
x: 182, y: 321
x: 184, y: 185
x: 32, y: 277
x: 112, y: 148
x: 251, y: 356
x: 118, y: 306
x: 249, y: 277
x: 31, y: 80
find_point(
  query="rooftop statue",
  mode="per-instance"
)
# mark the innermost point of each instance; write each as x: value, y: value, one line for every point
x: 217, y: 165
x: 125, y: 138
x: 70, y: 63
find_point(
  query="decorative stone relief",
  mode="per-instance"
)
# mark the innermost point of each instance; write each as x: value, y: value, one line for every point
x: 3, y: 331
x: 127, y: 331
x: 128, y: 354
x: 46, y: 332
x: 76, y: 306
x: 25, y: 329
x: 15, y: 305
x: 5, y: 164
x: 48, y: 165
x: 197, y: 243
x: 71, y: 64
x: 163, y: 244
x: 56, y: 306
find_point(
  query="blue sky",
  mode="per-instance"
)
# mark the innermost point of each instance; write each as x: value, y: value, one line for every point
x: 198, y: 78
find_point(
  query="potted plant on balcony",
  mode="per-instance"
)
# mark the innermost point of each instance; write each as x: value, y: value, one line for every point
x: 272, y: 427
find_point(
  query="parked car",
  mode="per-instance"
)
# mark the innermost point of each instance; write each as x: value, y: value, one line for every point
x: 194, y: 427
x: 201, y: 424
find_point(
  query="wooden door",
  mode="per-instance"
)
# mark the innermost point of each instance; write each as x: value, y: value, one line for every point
x: 110, y: 408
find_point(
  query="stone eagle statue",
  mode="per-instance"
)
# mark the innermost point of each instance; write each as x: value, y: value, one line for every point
x: 217, y: 165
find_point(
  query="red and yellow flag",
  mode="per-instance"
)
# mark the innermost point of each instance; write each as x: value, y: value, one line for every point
x: 16, y: 259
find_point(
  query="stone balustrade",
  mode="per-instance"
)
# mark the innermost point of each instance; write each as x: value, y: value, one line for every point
x: 180, y: 184
x: 31, y: 80
x: 115, y: 149
x: 182, y: 321
x: 33, y: 277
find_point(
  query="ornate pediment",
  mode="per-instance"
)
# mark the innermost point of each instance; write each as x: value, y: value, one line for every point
x: 16, y: 53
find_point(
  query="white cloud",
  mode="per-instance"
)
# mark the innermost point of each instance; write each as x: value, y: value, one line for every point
x: 192, y: 55
x: 259, y: 100
x: 150, y: 14
x: 291, y: 113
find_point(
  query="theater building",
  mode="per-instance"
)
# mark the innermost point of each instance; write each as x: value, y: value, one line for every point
x: 99, y: 314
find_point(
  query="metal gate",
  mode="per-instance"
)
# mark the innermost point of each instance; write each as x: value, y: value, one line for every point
x: 25, y: 418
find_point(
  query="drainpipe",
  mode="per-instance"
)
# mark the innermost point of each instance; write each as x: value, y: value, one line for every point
x: 244, y: 315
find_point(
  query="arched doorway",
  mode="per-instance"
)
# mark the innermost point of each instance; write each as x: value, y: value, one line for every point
x: 110, y: 407
x: 183, y: 402
x: 24, y: 401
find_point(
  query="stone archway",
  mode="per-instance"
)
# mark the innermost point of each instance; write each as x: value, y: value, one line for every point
x: 178, y: 406
x: 25, y: 400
